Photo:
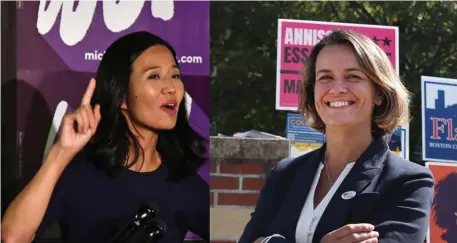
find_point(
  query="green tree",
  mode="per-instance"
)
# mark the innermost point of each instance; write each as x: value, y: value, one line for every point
x: 243, y: 54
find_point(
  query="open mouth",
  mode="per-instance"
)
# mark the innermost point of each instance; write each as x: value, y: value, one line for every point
x: 339, y: 104
x: 170, y: 107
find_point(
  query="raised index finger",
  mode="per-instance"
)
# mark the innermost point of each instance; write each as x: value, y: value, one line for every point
x: 89, y: 92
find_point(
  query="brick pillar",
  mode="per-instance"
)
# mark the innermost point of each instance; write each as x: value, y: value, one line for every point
x: 239, y: 168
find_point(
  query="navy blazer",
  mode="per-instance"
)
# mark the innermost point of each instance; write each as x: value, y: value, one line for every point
x: 393, y: 194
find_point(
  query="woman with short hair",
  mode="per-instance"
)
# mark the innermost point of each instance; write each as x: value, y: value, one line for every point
x: 353, y: 188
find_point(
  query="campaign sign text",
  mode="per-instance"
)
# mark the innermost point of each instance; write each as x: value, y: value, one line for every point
x: 298, y: 131
x: 439, y: 119
x: 73, y: 29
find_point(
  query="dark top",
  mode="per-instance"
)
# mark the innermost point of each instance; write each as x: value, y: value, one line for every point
x: 393, y: 194
x: 92, y: 207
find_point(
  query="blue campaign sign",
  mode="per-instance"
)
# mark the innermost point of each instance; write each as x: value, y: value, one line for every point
x: 297, y: 130
x: 398, y: 142
x: 439, y: 119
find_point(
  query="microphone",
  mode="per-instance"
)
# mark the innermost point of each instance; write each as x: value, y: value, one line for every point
x: 142, y: 215
x: 155, y: 230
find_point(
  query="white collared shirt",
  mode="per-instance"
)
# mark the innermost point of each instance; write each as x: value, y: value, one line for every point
x: 310, y: 216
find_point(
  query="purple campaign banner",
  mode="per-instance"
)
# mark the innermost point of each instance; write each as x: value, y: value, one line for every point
x: 81, y: 31
x: 58, y: 51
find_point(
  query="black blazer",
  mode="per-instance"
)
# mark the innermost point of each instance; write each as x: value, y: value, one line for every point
x: 393, y: 194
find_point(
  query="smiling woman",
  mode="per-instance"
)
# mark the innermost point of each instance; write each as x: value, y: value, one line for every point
x: 353, y: 188
x: 352, y: 68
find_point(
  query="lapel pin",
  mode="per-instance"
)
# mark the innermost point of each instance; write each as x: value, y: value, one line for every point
x: 348, y: 195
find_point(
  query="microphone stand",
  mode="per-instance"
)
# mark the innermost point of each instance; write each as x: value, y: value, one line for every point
x: 155, y: 230
x: 145, y: 213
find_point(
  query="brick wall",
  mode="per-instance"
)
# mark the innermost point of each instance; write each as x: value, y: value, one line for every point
x: 235, y: 187
x: 239, y: 168
x: 236, y: 183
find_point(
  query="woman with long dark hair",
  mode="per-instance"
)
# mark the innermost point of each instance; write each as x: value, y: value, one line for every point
x: 129, y: 144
